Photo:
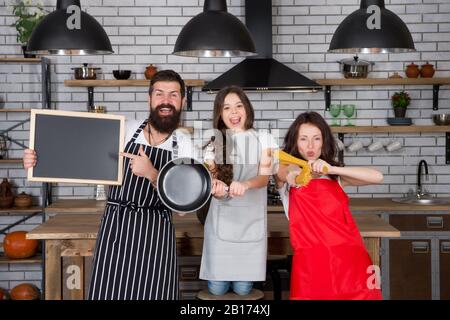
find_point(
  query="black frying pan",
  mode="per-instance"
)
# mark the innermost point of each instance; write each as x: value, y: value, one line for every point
x: 184, y: 185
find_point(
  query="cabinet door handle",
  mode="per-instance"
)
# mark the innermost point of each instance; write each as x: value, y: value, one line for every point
x: 435, y: 222
x: 445, y: 247
x: 420, y: 247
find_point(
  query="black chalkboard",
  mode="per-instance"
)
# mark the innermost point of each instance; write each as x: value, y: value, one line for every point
x: 78, y: 147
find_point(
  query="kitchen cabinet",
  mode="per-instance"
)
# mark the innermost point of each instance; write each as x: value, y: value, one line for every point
x: 444, y: 268
x: 419, y: 262
x: 410, y: 269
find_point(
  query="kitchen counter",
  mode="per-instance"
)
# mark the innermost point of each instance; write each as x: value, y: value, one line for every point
x: 381, y: 204
x: 76, y: 226
x: 70, y: 242
x: 82, y: 206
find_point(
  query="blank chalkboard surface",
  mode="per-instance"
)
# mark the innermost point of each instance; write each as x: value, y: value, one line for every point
x: 78, y: 147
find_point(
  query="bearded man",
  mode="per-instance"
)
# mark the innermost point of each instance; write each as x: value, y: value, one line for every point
x: 135, y: 255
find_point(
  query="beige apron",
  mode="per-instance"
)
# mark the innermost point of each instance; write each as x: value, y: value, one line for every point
x: 235, y: 241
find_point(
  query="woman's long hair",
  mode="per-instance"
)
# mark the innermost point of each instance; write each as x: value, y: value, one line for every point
x: 224, y: 170
x: 329, y: 148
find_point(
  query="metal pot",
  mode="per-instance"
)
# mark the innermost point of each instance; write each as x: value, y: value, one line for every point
x: 441, y: 119
x: 85, y: 72
x: 355, y: 68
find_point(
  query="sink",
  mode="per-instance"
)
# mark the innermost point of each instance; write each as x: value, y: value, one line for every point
x: 423, y: 201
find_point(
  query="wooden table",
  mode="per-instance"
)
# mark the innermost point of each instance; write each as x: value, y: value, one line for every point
x: 87, y: 206
x: 70, y: 241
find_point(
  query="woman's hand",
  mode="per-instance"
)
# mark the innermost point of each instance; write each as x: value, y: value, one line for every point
x: 292, y: 172
x: 319, y: 167
x: 238, y: 188
x: 141, y: 165
x: 219, y: 188
x: 29, y: 158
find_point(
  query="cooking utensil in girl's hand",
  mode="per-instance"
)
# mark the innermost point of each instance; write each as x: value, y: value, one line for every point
x: 305, y: 175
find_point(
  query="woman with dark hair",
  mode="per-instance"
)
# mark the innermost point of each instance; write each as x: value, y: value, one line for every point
x: 330, y: 260
x: 235, y: 241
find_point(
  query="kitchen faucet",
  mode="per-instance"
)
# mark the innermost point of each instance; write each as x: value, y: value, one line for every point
x: 419, y: 177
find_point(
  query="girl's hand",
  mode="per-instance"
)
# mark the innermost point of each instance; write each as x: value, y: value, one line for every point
x: 293, y: 171
x: 319, y: 166
x: 238, y: 188
x: 219, y: 188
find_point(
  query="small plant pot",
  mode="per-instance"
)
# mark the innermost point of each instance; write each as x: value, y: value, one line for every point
x: 25, y: 54
x: 400, y: 112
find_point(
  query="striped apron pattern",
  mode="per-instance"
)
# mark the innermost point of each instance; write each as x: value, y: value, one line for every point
x: 135, y: 255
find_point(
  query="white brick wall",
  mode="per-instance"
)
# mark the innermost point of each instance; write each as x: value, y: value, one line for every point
x: 144, y: 31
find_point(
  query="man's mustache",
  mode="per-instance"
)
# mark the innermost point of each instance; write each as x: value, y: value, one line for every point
x: 166, y: 106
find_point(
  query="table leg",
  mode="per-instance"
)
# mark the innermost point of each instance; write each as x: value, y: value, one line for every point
x: 52, y: 270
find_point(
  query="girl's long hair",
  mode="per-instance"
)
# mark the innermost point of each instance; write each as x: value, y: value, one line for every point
x: 224, y: 170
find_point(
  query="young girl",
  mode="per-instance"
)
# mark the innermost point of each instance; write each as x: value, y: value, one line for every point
x: 330, y: 260
x: 235, y: 241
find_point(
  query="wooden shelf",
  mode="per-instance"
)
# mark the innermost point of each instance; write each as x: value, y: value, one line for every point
x: 381, y: 81
x: 19, y: 211
x: 123, y: 83
x: 6, y: 260
x: 390, y: 129
x: 18, y: 59
x: 76, y: 206
x: 15, y: 110
x: 10, y: 160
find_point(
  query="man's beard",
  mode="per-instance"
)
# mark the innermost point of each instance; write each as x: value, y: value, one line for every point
x: 164, y: 124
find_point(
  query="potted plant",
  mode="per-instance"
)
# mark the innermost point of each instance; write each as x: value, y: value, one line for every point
x: 28, y: 17
x: 400, y: 101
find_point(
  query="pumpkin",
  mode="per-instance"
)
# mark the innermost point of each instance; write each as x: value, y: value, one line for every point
x: 16, y: 245
x: 25, y: 291
x: 3, y: 294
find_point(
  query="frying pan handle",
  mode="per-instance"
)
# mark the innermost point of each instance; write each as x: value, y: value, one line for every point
x: 227, y: 194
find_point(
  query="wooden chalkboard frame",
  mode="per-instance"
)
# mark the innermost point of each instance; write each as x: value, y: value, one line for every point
x: 60, y: 113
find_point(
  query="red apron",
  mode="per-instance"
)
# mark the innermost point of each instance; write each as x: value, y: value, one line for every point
x: 330, y: 260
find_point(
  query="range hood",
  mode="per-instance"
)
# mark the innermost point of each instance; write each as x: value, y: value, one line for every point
x: 262, y: 72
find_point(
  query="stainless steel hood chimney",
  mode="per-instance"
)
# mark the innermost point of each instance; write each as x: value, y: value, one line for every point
x: 262, y: 72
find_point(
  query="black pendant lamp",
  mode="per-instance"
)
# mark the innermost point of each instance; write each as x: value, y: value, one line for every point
x: 356, y: 35
x: 214, y: 33
x: 52, y: 36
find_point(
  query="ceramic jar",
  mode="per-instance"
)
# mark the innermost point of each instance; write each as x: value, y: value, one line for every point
x: 412, y: 70
x: 6, y: 195
x: 23, y: 200
x: 150, y: 71
x: 427, y: 70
